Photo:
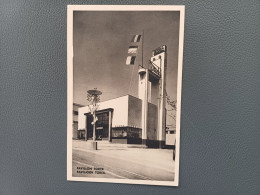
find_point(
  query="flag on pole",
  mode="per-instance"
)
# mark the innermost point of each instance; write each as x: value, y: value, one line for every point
x: 130, y: 60
x: 136, y: 38
x: 132, y: 49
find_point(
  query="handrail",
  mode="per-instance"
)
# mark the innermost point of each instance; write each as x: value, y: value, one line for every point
x: 154, y: 68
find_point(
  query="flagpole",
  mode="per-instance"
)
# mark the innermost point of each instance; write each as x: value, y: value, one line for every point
x: 143, y: 49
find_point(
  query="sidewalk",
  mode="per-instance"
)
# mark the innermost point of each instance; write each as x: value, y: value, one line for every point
x: 154, y: 158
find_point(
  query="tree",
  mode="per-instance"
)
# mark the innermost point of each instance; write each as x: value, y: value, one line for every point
x: 172, y: 104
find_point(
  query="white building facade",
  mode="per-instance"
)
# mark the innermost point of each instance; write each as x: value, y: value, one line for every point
x: 129, y: 119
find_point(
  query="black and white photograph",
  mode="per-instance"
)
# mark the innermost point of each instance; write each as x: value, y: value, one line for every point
x: 124, y: 85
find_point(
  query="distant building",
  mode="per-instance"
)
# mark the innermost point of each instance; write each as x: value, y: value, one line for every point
x: 76, y: 134
x: 133, y: 120
x: 170, y: 137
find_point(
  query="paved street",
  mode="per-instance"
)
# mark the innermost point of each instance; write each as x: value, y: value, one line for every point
x: 120, y: 162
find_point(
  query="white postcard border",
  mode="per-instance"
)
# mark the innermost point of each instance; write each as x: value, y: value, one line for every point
x: 70, y: 9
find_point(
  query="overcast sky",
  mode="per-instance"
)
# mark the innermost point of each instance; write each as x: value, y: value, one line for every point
x: 100, y: 43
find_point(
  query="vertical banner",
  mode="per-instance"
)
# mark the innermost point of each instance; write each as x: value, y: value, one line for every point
x: 132, y: 50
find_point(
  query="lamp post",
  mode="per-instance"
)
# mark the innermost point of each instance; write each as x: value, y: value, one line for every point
x: 93, y: 96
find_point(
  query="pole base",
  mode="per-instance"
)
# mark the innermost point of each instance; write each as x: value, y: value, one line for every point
x: 94, y: 145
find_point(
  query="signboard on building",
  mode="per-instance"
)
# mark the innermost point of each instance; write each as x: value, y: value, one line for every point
x: 159, y: 50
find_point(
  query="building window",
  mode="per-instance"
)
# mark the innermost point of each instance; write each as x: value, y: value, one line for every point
x: 126, y: 132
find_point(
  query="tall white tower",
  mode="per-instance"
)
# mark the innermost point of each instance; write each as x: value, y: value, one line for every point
x: 152, y: 88
x: 143, y: 95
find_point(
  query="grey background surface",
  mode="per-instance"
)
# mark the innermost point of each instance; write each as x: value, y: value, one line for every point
x: 220, y: 126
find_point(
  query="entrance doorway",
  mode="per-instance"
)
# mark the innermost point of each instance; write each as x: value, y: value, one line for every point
x: 102, y: 126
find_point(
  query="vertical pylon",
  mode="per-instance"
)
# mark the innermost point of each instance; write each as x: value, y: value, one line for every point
x: 159, y: 59
x: 143, y: 95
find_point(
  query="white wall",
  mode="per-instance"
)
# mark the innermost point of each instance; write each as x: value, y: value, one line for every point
x: 120, y: 114
x: 170, y: 139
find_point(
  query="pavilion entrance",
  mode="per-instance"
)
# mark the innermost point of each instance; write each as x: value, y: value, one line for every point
x: 103, y: 125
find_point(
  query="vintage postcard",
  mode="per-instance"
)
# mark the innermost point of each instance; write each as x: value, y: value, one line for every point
x: 124, y: 93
